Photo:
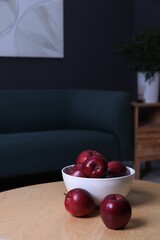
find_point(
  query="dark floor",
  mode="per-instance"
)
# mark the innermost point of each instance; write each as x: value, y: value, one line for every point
x: 152, y: 173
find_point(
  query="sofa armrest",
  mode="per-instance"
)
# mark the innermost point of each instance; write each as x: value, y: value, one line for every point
x: 119, y: 122
x: 106, y: 111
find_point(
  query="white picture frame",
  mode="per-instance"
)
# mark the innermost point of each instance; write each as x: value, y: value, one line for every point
x: 31, y: 28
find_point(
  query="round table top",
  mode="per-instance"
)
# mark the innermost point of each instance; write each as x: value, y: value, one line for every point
x: 37, y: 212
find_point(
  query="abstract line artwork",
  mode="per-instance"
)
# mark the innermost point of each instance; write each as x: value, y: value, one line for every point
x: 31, y: 28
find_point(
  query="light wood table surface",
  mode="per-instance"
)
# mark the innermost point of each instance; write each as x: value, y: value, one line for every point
x: 37, y: 213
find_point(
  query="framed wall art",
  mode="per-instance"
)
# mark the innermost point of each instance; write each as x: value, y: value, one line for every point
x: 31, y: 28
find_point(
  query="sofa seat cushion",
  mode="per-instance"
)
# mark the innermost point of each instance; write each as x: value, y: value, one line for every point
x: 39, y: 152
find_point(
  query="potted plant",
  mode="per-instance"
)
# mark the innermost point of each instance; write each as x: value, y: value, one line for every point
x: 143, y: 53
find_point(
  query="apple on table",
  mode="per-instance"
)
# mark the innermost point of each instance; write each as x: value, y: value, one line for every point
x: 115, y: 211
x: 79, y: 202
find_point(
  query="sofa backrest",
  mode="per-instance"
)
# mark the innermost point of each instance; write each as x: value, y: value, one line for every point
x: 32, y: 110
x: 97, y: 110
x: 36, y: 110
x: 105, y: 111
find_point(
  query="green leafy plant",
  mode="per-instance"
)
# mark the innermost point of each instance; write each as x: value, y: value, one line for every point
x: 143, y: 51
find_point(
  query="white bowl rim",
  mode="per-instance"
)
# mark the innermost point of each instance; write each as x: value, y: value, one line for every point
x: 131, y: 171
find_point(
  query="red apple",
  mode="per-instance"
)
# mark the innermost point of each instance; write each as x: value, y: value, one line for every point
x: 76, y: 170
x: 115, y: 211
x: 117, y: 168
x: 79, y: 202
x: 84, y: 155
x: 95, y: 167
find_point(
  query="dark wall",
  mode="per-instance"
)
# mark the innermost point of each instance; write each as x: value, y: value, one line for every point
x: 92, y: 30
x: 146, y: 14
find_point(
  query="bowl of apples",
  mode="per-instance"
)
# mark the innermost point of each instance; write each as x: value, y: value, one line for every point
x: 100, y: 178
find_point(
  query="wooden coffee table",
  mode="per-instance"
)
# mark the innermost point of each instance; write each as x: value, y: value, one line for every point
x: 37, y: 213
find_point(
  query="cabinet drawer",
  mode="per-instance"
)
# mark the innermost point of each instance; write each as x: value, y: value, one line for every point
x: 148, y: 134
x: 148, y: 143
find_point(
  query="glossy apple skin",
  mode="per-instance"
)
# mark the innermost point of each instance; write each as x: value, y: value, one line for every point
x: 79, y: 202
x: 84, y: 155
x: 95, y: 167
x: 115, y: 211
x: 117, y: 169
x: 76, y: 170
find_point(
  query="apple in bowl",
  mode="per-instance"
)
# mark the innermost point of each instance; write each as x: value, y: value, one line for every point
x: 89, y: 163
x: 117, y: 169
x: 86, y: 154
x: 76, y: 170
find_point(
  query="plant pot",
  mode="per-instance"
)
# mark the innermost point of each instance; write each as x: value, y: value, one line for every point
x: 148, y: 90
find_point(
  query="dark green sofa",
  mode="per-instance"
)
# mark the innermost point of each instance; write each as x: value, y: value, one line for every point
x: 41, y: 131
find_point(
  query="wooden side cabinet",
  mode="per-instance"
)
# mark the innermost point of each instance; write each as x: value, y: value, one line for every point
x: 146, y: 133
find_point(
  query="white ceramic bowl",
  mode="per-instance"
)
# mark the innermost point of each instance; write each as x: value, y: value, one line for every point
x: 99, y: 187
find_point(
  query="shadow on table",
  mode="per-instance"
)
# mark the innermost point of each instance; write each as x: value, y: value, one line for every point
x: 138, y: 197
x: 136, y: 223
